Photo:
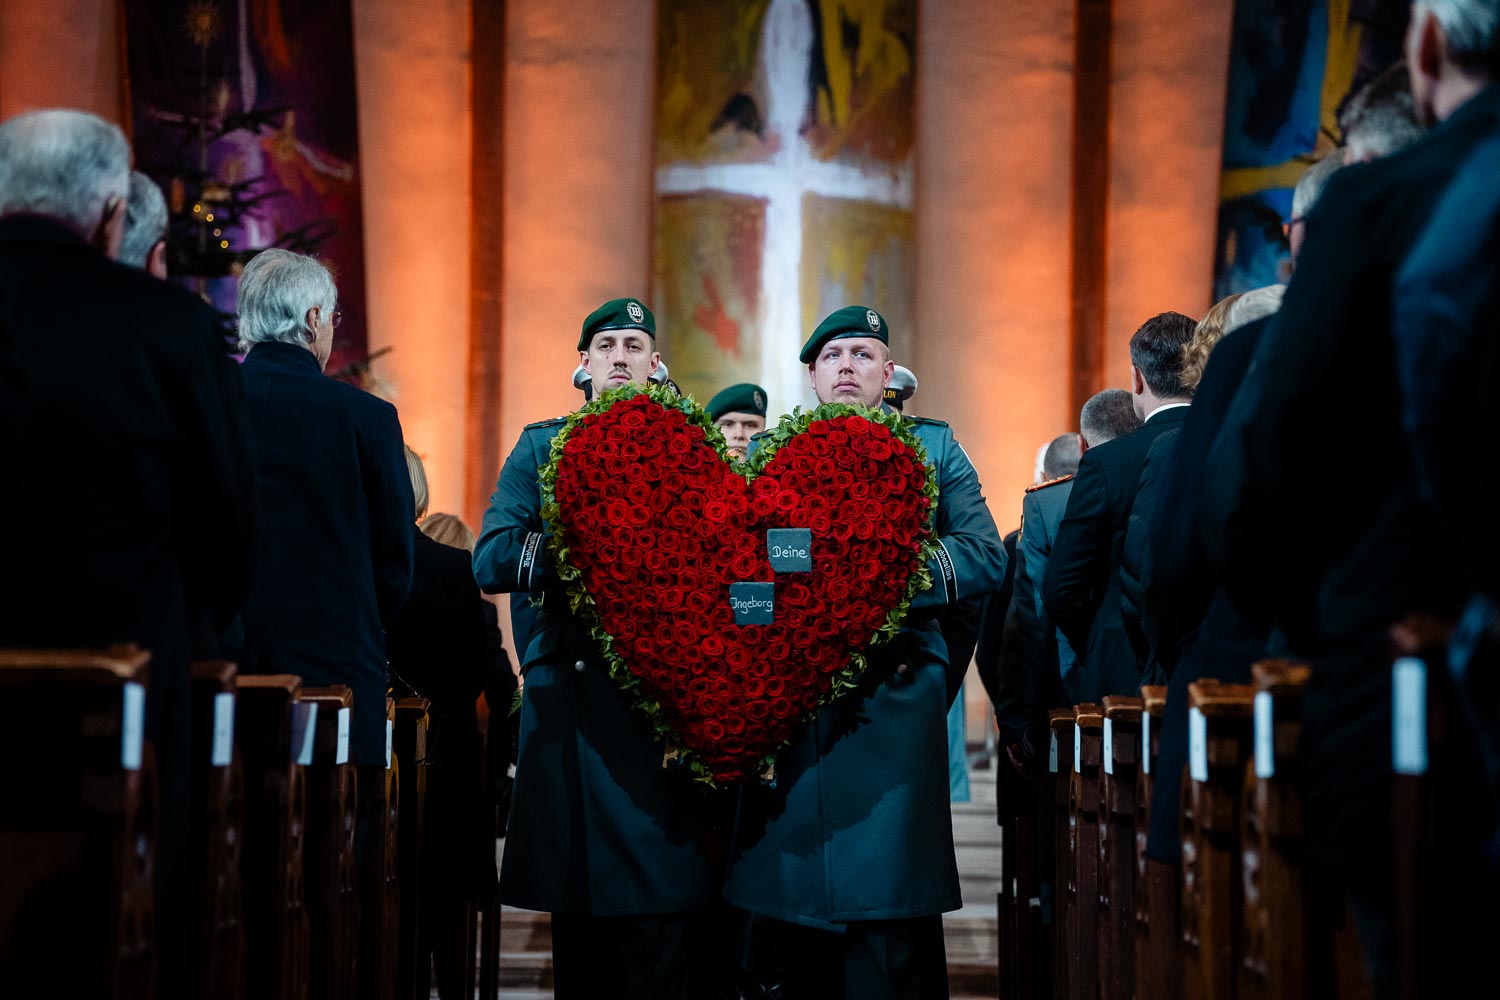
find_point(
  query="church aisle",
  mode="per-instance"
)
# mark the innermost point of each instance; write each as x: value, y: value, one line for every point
x: 970, y: 932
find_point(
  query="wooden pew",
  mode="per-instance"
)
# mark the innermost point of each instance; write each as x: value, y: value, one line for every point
x: 1021, y: 933
x: 1120, y: 756
x: 218, y: 830
x: 1219, y: 742
x: 1059, y: 770
x: 1157, y: 967
x: 410, y: 755
x: 332, y: 904
x: 1083, y: 851
x: 275, y: 731
x: 487, y: 913
x: 1420, y: 707
x: 380, y: 885
x: 77, y: 825
x: 1272, y: 960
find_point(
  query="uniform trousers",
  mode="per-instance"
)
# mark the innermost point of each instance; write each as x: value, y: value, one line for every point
x: 645, y: 957
x: 869, y: 960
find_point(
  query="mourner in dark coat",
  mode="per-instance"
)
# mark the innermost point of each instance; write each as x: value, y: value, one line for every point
x: 1036, y: 665
x: 600, y: 834
x: 445, y: 644
x: 1194, y: 631
x: 855, y: 844
x: 335, y: 555
x: 1447, y: 331
x: 1082, y: 586
x: 1362, y: 549
x: 1447, y: 334
x: 130, y: 510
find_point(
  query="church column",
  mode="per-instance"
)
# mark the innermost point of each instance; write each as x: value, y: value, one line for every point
x: 994, y: 140
x: 576, y: 214
x: 62, y: 54
x: 1171, y: 68
x: 413, y: 77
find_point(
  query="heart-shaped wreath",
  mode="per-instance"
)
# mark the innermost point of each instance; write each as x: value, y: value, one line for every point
x: 652, y: 523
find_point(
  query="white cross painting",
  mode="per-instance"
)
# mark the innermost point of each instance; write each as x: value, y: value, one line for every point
x: 784, y: 182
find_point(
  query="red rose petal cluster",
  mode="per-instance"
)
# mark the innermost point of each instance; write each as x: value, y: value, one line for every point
x: 659, y: 525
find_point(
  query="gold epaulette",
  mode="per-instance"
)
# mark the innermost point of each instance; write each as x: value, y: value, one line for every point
x: 1051, y: 482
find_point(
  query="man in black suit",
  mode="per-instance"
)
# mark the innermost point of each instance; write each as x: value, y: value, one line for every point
x: 1032, y: 666
x: 1358, y: 549
x: 444, y: 643
x: 1081, y: 590
x: 131, y: 514
x: 336, y: 552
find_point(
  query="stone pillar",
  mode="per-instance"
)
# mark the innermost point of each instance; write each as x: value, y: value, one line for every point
x: 62, y: 54
x: 412, y: 65
x: 1171, y: 60
x: 994, y: 135
x: 578, y: 183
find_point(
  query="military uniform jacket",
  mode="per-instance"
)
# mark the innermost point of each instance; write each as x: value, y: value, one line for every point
x: 858, y: 826
x: 1034, y: 662
x: 1081, y: 588
x: 597, y: 826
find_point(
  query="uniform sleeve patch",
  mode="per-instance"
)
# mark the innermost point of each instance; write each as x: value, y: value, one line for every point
x: 945, y: 568
x: 527, y: 567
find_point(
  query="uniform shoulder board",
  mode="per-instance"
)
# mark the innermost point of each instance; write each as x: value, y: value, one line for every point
x: 928, y: 420
x: 546, y: 423
x: 1051, y: 482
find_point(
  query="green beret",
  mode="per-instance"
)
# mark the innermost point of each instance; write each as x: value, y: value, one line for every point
x: 850, y: 321
x: 617, y: 314
x: 901, y: 386
x: 747, y: 397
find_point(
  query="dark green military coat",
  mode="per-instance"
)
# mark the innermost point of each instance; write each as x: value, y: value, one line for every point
x: 596, y: 825
x: 858, y: 826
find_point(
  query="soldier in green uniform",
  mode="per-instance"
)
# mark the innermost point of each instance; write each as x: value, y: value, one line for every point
x: 600, y: 835
x: 740, y: 412
x: 853, y: 847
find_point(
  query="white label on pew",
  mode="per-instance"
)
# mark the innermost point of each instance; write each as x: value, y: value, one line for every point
x: 1145, y: 742
x: 223, y: 745
x: 1197, y: 744
x: 1265, y: 736
x: 390, y: 734
x: 132, y: 726
x: 341, y: 752
x: 1078, y: 749
x: 1052, y: 753
x: 304, y: 728
x: 1409, y: 716
x: 1109, y: 745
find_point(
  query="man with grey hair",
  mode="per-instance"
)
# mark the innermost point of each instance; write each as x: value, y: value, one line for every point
x: 145, y: 241
x: 1309, y: 186
x: 1379, y: 118
x: 1361, y: 551
x: 89, y: 199
x: 1106, y: 415
x: 123, y: 426
x: 336, y: 559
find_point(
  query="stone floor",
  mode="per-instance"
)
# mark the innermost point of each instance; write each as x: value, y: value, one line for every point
x: 525, y: 936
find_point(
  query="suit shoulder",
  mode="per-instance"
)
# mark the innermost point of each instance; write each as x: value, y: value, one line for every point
x: 545, y: 424
x: 364, y: 402
x: 1051, y: 482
